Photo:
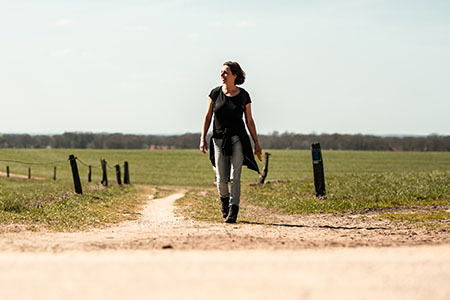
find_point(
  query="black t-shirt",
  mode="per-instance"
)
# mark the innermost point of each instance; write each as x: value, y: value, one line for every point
x: 228, y: 111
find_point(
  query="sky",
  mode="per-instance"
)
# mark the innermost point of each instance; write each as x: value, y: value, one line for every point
x: 146, y: 67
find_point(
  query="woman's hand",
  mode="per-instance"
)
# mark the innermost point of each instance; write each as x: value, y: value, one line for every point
x: 252, y: 128
x: 203, y: 146
x: 258, y: 151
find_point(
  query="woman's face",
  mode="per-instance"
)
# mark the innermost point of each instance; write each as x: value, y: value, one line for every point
x: 227, y: 76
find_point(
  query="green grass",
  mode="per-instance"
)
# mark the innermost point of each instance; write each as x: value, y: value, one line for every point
x: 201, y: 204
x: 54, y: 206
x: 177, y: 167
x: 192, y: 168
x: 355, y: 192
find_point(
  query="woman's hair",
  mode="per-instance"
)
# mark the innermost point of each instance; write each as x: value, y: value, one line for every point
x: 236, y: 70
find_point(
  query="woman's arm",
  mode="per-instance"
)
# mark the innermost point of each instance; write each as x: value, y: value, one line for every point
x: 252, y: 127
x: 206, y: 124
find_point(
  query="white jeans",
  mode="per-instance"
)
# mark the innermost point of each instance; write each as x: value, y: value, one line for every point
x: 228, y: 168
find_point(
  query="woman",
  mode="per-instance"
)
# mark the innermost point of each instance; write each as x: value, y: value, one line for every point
x: 230, y: 144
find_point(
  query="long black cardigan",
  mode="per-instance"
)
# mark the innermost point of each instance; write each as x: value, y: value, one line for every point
x: 249, y: 158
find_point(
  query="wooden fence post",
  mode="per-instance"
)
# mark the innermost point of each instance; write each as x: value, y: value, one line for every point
x: 119, y: 180
x: 104, y: 175
x: 265, y: 169
x: 7, y: 171
x: 319, y: 177
x: 90, y: 174
x: 29, y: 173
x: 54, y: 173
x: 126, y: 174
x: 76, y: 175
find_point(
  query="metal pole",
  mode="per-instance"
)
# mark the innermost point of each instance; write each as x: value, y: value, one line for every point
x: 319, y: 177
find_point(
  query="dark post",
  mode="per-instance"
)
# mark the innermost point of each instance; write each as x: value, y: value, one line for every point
x: 319, y: 177
x: 104, y: 175
x: 126, y: 173
x: 76, y: 175
x: 119, y: 180
x: 265, y: 169
x: 90, y: 174
x: 7, y: 171
x: 54, y: 173
x: 29, y: 173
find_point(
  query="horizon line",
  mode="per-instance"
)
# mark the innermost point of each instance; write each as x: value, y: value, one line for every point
x: 270, y: 133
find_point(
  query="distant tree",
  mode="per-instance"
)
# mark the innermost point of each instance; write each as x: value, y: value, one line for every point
x: 286, y: 140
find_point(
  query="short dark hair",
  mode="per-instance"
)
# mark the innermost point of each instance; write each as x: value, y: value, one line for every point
x: 236, y: 70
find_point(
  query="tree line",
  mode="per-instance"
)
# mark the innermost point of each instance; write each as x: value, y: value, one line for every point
x: 275, y: 140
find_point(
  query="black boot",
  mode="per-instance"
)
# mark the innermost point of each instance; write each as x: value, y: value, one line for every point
x: 225, y: 206
x: 232, y: 216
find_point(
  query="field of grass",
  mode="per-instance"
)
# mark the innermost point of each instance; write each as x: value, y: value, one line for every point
x: 355, y: 192
x: 54, y: 205
x: 355, y: 181
x: 192, y: 168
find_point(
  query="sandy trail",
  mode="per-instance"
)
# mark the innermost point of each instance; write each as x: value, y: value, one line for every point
x: 157, y: 218
x: 359, y: 273
x: 158, y: 228
x: 297, y: 257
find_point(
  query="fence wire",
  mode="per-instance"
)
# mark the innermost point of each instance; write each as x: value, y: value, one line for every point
x: 87, y: 165
x: 99, y: 166
x: 33, y: 163
x: 57, y: 162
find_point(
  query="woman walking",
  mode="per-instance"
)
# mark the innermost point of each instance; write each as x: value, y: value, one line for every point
x: 230, y: 146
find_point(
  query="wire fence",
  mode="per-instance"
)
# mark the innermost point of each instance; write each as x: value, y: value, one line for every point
x: 57, y: 162
x: 33, y: 163
x: 87, y: 165
x: 75, y: 174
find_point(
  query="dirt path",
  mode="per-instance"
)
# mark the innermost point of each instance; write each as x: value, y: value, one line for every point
x: 157, y: 219
x: 338, y: 273
x: 159, y: 228
x: 162, y: 256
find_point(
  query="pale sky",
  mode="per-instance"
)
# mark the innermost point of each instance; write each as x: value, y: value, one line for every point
x: 147, y: 67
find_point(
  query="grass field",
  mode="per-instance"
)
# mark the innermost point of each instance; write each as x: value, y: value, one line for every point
x: 192, y: 168
x: 355, y: 181
x: 55, y: 206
